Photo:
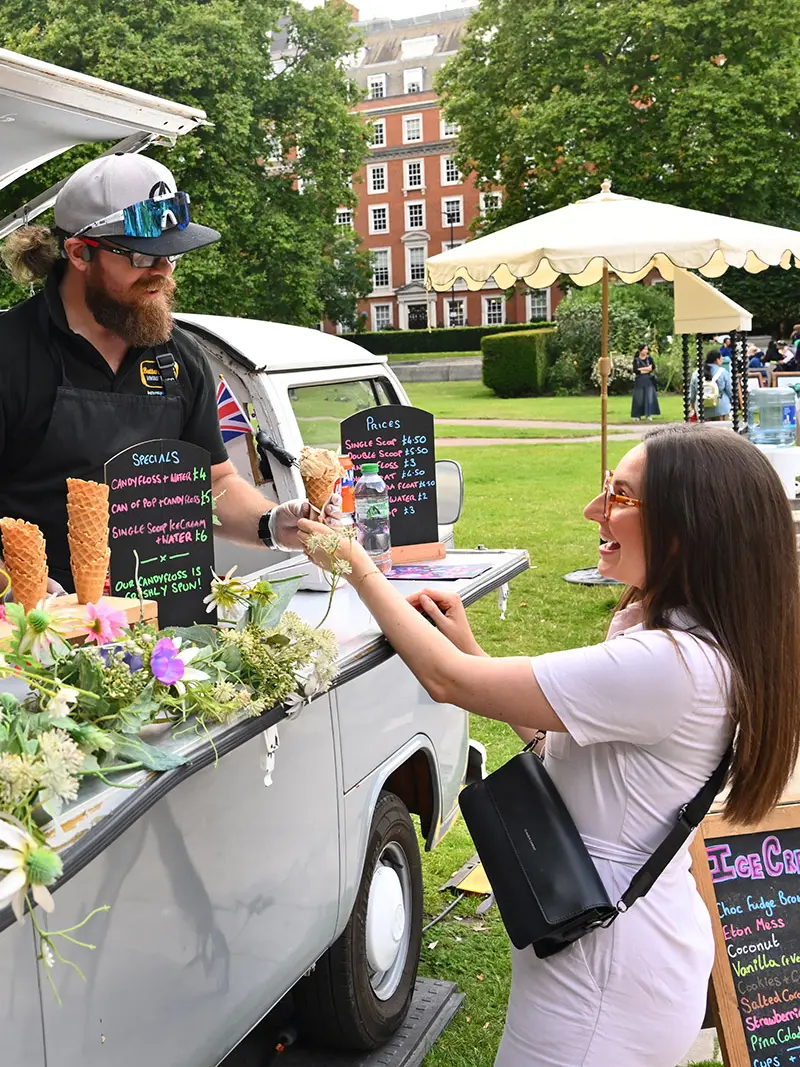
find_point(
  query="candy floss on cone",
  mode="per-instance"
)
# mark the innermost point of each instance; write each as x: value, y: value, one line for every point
x: 320, y: 471
x: 87, y: 533
x: 26, y: 561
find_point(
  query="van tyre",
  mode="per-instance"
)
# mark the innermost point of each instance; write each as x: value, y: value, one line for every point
x: 360, y: 991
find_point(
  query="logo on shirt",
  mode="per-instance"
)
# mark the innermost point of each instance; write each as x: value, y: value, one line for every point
x: 151, y: 376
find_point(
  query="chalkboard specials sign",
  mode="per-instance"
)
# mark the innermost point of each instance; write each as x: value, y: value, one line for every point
x: 160, y: 508
x: 750, y: 882
x: 400, y: 440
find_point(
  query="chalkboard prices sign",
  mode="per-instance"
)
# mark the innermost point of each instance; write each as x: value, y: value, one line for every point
x: 160, y: 508
x: 400, y: 440
x: 751, y: 883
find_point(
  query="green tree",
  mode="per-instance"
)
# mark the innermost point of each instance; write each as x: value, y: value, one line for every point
x: 691, y: 102
x: 277, y: 161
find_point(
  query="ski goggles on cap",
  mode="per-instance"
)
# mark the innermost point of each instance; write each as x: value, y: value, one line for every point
x: 148, y: 218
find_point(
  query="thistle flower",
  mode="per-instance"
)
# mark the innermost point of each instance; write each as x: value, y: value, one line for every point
x: 29, y: 866
x: 103, y: 623
x: 59, y: 761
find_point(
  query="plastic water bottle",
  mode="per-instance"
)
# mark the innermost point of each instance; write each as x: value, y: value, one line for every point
x: 372, y: 516
x: 773, y: 417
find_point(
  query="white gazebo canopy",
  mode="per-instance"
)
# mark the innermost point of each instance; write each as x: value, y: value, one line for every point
x: 700, y: 308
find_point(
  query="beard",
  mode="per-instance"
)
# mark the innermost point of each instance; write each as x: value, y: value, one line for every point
x: 140, y: 321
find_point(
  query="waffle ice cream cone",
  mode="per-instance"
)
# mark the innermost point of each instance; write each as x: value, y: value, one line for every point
x: 26, y: 561
x: 87, y: 533
x: 90, y: 578
x: 320, y: 471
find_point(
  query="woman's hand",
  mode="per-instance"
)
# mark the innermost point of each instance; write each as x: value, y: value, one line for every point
x: 447, y: 612
x: 324, y: 544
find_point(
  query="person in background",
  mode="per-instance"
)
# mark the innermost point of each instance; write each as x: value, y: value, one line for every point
x: 717, y: 396
x: 645, y: 396
x: 756, y: 362
x: 772, y: 355
x: 795, y: 335
x: 726, y: 351
x: 635, y: 725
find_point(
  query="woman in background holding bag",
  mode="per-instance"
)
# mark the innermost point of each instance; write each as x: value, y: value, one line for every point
x: 636, y: 725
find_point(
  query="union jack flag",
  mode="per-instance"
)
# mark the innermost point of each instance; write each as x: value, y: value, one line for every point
x: 232, y: 419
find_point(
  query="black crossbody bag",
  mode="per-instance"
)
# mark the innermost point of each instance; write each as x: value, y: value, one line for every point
x: 545, y: 882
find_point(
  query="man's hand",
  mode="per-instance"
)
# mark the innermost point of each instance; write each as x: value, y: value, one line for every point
x: 447, y: 613
x: 283, y: 520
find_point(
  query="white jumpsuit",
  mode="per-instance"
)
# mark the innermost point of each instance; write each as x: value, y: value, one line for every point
x: 645, y: 731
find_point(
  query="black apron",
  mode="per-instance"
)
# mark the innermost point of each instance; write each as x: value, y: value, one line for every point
x: 87, y: 428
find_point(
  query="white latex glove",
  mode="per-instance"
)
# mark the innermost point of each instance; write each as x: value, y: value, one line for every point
x: 283, y: 520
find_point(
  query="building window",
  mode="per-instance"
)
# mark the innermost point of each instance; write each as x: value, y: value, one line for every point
x: 494, y: 310
x: 450, y: 129
x: 415, y: 216
x: 376, y: 86
x: 455, y: 312
x: 490, y: 203
x: 418, y: 47
x: 379, y: 133
x: 415, y: 173
x: 412, y: 80
x: 538, y: 305
x: 412, y: 128
x: 381, y: 316
x: 450, y: 175
x: 377, y: 179
x: 380, y: 269
x: 453, y: 211
x: 344, y: 217
x: 379, y: 218
x: 447, y: 245
x: 415, y: 263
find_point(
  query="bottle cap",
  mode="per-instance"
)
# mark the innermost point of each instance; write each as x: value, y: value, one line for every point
x: 369, y: 468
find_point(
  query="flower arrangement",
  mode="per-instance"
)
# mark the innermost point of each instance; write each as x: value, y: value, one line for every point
x: 77, y: 711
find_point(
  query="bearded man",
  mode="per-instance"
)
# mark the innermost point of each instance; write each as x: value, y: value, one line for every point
x: 94, y: 363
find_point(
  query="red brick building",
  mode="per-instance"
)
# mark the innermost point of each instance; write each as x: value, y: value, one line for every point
x: 412, y: 202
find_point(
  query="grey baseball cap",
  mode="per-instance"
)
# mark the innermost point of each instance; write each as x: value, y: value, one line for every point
x: 112, y: 183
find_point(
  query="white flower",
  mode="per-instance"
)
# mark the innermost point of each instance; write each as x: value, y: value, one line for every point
x: 190, y: 674
x: 59, y: 706
x: 48, y: 959
x: 15, y: 860
x: 61, y: 759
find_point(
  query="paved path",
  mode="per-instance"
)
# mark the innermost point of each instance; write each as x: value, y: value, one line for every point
x: 447, y: 442
x: 545, y: 424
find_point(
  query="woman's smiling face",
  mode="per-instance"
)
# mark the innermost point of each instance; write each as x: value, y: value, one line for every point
x: 622, y: 556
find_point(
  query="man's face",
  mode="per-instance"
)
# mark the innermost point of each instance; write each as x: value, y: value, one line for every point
x: 132, y: 303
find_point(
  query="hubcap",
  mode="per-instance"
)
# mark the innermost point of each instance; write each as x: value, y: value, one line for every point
x: 388, y: 926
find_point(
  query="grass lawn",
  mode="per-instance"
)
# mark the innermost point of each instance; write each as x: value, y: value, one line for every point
x: 472, y: 400
x: 511, y: 432
x: 418, y: 357
x: 534, y: 502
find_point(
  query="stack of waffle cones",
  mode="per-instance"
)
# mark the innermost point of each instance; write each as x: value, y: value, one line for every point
x: 320, y: 471
x: 26, y: 561
x: 87, y: 532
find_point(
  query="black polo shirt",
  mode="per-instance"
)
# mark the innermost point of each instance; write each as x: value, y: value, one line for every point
x: 35, y: 338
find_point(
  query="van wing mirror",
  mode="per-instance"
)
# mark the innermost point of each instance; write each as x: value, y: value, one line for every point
x: 449, y: 491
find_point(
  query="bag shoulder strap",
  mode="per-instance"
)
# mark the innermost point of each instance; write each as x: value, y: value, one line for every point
x: 715, y: 376
x: 689, y: 818
x: 165, y: 362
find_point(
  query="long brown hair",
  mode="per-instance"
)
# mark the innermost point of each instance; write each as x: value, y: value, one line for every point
x: 719, y: 540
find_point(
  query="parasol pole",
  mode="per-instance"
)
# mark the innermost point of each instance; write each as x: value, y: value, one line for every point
x: 605, y: 370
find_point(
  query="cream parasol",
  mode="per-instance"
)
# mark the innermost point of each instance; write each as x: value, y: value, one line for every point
x: 608, y: 233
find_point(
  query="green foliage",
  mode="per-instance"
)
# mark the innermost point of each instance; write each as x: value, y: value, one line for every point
x: 281, y: 256
x: 686, y: 103
x: 564, y: 377
x: 579, y: 337
x: 516, y: 364
x: 457, y: 339
x: 655, y: 304
x: 773, y: 297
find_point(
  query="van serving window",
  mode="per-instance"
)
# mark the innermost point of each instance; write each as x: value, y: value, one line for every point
x: 319, y: 409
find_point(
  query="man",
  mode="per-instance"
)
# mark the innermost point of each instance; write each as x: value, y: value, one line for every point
x: 94, y: 363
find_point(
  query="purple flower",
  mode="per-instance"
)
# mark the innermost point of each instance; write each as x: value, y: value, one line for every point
x: 132, y: 659
x: 165, y: 663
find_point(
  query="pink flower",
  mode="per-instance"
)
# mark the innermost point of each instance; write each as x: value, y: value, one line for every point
x: 3, y: 614
x: 104, y: 624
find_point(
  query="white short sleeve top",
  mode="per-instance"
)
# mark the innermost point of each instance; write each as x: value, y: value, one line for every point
x: 647, y: 720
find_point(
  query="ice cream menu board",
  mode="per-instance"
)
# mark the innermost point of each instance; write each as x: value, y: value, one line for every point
x: 755, y: 879
x: 161, y: 528
x: 400, y: 440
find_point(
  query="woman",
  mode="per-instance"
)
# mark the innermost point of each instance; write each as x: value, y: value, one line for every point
x: 717, y: 396
x: 636, y: 725
x: 645, y: 397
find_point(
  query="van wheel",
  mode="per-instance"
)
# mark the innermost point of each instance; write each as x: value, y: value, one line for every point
x: 360, y: 991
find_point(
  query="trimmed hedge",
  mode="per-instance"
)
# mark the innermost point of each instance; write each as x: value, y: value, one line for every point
x: 455, y: 339
x: 516, y: 364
